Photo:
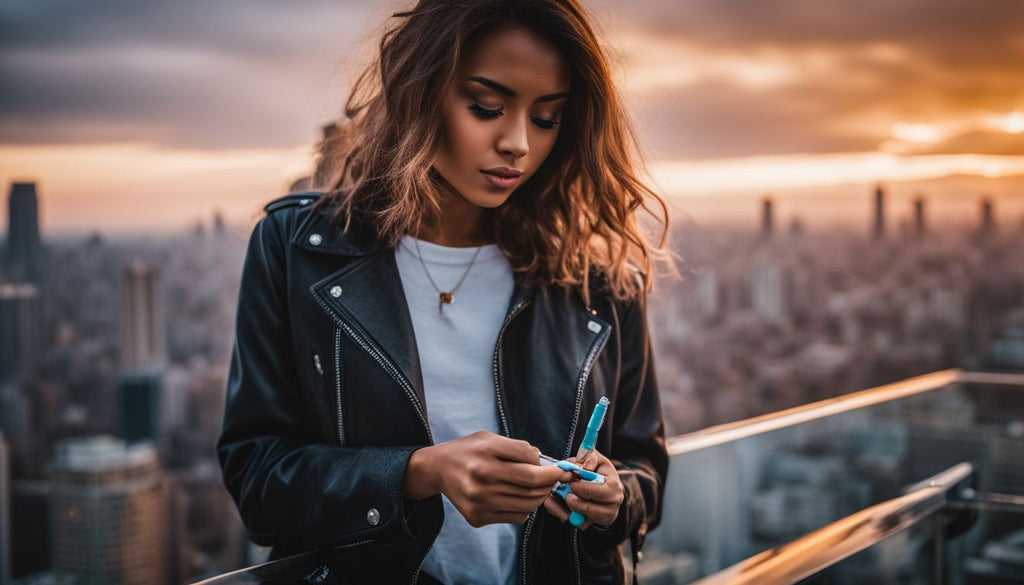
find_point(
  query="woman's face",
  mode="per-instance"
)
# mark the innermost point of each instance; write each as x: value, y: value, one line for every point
x: 501, y: 115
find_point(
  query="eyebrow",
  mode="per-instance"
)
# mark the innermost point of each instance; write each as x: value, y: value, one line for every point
x: 510, y: 93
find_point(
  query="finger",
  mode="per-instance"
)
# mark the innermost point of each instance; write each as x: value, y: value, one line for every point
x: 609, y: 493
x: 532, y: 475
x: 517, y: 491
x: 596, y: 461
x: 556, y: 508
x: 514, y: 450
x: 595, y: 512
x: 605, y: 466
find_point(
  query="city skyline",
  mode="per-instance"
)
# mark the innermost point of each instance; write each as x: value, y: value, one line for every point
x: 143, y: 117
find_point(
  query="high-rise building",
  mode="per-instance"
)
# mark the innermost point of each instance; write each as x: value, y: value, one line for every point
x: 30, y: 507
x: 23, y: 261
x: 769, y: 292
x: 107, y: 513
x: 20, y: 330
x: 988, y: 220
x: 139, y: 406
x: 5, y: 514
x: 879, y: 213
x: 919, y: 229
x: 766, y: 217
x: 708, y: 296
x: 142, y: 319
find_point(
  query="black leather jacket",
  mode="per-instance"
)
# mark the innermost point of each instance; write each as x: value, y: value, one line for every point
x: 325, y: 405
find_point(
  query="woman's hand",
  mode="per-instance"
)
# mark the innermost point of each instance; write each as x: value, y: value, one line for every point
x: 599, y: 503
x: 489, y: 478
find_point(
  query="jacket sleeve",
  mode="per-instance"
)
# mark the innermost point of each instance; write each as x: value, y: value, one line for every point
x: 292, y: 490
x: 638, y: 442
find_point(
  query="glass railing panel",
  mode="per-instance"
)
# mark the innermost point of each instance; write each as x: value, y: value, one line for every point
x: 990, y: 552
x: 905, y: 558
x: 727, y: 501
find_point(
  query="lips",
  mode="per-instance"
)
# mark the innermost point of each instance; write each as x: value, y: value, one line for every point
x: 504, y: 172
x: 503, y: 177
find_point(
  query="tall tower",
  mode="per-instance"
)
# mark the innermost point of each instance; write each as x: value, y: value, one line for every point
x: 5, y: 514
x: 23, y: 260
x: 769, y: 292
x: 919, y: 228
x: 879, y: 213
x: 988, y: 220
x: 20, y: 330
x: 766, y: 218
x: 107, y: 513
x: 142, y: 320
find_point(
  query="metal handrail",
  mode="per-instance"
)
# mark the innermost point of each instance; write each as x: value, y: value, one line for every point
x: 826, y: 546
x: 726, y: 433
x: 300, y: 568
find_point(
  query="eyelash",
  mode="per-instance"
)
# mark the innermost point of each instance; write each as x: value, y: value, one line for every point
x: 488, y: 114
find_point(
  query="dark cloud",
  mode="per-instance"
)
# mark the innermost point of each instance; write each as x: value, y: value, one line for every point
x: 265, y: 73
x: 961, y: 33
x: 719, y: 119
x: 852, y: 105
x: 225, y: 74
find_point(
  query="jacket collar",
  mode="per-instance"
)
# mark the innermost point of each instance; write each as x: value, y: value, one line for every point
x: 320, y: 233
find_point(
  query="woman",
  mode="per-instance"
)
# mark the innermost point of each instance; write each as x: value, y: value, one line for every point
x: 455, y: 304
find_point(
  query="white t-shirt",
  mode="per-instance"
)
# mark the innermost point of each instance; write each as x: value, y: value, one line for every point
x: 456, y: 348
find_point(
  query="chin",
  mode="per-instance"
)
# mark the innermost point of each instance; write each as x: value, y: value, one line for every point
x: 489, y: 200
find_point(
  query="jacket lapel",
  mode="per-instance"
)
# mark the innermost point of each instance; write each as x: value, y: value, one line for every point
x: 367, y: 295
x: 547, y: 356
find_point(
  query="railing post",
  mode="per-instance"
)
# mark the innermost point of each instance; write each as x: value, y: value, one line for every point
x: 939, y: 552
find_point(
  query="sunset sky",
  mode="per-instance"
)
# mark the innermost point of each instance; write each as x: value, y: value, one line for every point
x: 136, y: 116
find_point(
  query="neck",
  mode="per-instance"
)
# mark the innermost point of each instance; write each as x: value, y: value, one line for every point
x: 459, y: 226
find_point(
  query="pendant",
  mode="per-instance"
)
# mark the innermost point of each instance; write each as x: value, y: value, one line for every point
x: 445, y: 298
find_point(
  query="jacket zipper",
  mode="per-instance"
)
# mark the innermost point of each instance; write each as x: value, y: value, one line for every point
x: 337, y: 383
x: 378, y: 356
x: 501, y: 413
x: 580, y: 383
x: 584, y: 374
x: 497, y: 359
x: 496, y: 363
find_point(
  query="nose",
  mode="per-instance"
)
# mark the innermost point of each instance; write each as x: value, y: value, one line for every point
x: 514, y: 140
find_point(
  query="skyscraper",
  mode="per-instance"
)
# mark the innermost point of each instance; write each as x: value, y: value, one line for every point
x: 766, y: 218
x: 988, y: 220
x: 107, y: 513
x: 20, y: 330
x: 919, y: 228
x: 142, y: 319
x: 769, y: 292
x: 24, y: 256
x: 139, y: 406
x: 879, y: 213
x: 5, y: 514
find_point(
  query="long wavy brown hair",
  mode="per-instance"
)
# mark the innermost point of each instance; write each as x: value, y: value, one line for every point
x: 575, y: 219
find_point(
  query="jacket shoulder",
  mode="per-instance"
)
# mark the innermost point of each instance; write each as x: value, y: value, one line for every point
x: 298, y: 199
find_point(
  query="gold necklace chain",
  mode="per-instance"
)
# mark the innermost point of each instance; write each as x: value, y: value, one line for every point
x: 444, y: 297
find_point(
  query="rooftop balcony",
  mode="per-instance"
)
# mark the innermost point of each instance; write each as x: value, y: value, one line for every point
x: 915, y: 482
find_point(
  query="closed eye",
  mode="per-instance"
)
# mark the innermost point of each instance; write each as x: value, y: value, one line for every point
x: 543, y: 123
x: 484, y: 113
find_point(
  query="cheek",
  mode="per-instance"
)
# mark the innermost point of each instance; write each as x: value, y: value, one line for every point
x: 543, y: 145
x: 463, y: 136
